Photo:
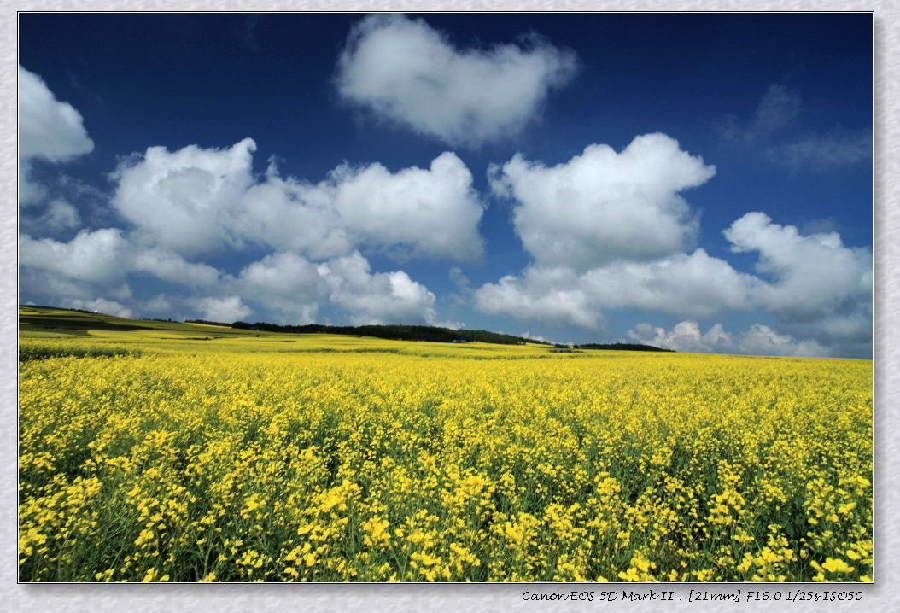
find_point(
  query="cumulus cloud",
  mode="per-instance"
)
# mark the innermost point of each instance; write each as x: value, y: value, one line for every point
x: 187, y: 204
x: 434, y: 211
x: 816, y: 287
x: 159, y: 305
x: 290, y: 215
x: 60, y: 205
x: 105, y: 257
x: 100, y: 305
x: 170, y: 266
x: 286, y: 283
x: 58, y: 216
x: 92, y: 256
x: 463, y: 294
x: 187, y: 200
x: 296, y: 288
x: 610, y: 230
x: 813, y: 276
x: 383, y: 297
x: 30, y: 191
x: 446, y: 323
x: 685, y: 336
x: 695, y: 284
x: 224, y: 309
x: 762, y: 340
x: 534, y: 337
x: 603, y: 206
x: 553, y: 295
x: 758, y: 339
x: 198, y: 201
x: 410, y: 74
x: 47, y: 287
x: 193, y: 202
x: 92, y: 270
x: 48, y: 130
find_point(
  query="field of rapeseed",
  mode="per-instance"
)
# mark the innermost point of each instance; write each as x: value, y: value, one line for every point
x: 252, y: 459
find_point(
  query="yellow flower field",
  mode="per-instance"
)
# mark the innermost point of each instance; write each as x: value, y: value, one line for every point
x: 252, y: 459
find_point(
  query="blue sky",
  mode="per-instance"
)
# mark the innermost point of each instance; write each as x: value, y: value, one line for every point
x: 698, y: 181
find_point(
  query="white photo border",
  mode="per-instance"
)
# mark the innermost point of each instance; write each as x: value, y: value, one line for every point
x: 883, y: 595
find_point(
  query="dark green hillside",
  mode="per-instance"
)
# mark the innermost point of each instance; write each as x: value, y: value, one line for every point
x: 396, y: 332
x: 623, y: 347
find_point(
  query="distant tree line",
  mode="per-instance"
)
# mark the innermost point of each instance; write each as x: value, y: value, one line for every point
x: 395, y: 332
x: 621, y: 347
x: 402, y: 332
x: 206, y: 321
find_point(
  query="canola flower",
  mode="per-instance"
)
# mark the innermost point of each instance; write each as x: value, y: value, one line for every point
x: 502, y: 465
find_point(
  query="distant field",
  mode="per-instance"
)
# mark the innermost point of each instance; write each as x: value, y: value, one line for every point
x: 155, y: 451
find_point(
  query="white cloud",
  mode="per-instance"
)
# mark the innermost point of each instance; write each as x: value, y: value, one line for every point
x: 58, y: 216
x: 817, y: 288
x: 376, y: 297
x: 225, y: 309
x: 187, y: 204
x: 762, y: 340
x: 694, y: 284
x: 544, y: 294
x: 609, y: 231
x: 286, y: 283
x: 48, y: 130
x: 104, y: 257
x: 157, y: 305
x: 851, y: 328
x: 100, y: 305
x: 296, y: 289
x: 756, y: 340
x: 284, y: 274
x: 459, y: 280
x: 814, y: 276
x: 289, y: 215
x: 685, y: 336
x: 435, y: 211
x: 188, y: 200
x: 463, y: 294
x: 196, y: 201
x: 534, y: 337
x: 171, y: 267
x: 92, y: 256
x: 48, y: 287
x: 408, y: 73
x: 819, y: 226
x: 446, y: 323
x: 777, y: 109
x: 30, y: 192
x: 603, y: 206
